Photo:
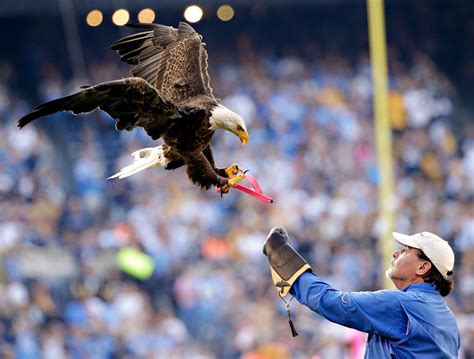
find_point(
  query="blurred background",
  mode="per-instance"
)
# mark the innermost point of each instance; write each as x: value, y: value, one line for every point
x: 299, y: 74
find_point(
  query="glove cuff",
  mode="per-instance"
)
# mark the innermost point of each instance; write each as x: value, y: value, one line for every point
x: 284, y: 286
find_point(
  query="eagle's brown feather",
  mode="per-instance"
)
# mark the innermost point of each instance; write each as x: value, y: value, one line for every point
x: 172, y: 60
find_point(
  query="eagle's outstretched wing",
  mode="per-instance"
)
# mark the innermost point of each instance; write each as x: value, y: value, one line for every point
x: 172, y: 60
x: 131, y: 101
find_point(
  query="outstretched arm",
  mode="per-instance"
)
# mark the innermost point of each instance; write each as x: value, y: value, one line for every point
x: 365, y: 311
x: 377, y: 312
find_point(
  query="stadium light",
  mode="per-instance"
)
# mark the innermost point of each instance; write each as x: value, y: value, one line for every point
x: 94, y: 18
x: 225, y: 12
x: 146, y: 16
x: 193, y: 13
x: 120, y: 17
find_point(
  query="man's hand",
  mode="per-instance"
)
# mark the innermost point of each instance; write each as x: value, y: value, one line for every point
x: 286, y: 264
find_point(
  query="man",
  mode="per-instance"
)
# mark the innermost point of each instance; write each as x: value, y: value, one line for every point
x: 412, y: 321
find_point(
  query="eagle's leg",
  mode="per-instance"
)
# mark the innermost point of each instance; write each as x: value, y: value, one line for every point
x: 232, y: 174
x: 201, y: 172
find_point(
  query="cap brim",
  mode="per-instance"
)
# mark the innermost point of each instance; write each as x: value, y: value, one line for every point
x: 405, y: 240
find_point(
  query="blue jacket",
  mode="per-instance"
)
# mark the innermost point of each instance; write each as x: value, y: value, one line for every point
x: 411, y: 323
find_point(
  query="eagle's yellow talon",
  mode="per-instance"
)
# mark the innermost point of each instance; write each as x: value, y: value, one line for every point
x: 234, y: 174
x: 233, y: 170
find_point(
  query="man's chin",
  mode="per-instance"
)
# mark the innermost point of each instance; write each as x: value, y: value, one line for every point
x: 388, y: 273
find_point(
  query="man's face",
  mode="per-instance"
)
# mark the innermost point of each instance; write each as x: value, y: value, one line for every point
x: 406, y: 267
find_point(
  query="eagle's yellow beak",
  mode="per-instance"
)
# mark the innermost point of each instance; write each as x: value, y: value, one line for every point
x: 244, y: 137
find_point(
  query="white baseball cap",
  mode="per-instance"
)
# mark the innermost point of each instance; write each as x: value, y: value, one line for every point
x: 434, y: 247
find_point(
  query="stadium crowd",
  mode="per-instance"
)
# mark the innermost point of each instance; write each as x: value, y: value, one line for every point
x: 210, y: 295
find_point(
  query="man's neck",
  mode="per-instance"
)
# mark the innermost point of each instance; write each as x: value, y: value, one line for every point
x: 400, y: 284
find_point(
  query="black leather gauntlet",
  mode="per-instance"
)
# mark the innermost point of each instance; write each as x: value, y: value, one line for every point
x: 286, y: 264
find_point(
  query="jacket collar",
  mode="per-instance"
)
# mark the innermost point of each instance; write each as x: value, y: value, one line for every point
x: 425, y: 287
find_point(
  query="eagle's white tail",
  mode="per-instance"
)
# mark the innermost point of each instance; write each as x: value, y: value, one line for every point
x: 144, y: 158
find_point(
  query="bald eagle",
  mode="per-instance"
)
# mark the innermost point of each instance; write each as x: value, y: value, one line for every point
x: 170, y: 97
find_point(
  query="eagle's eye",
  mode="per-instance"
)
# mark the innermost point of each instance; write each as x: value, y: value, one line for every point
x: 239, y: 128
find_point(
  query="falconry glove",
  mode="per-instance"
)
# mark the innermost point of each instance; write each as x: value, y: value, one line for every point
x: 286, y: 264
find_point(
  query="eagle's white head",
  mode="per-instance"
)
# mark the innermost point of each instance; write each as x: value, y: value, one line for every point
x: 222, y: 117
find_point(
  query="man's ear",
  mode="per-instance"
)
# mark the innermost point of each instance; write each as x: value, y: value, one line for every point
x: 423, y: 268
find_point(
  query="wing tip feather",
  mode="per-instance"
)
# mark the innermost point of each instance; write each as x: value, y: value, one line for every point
x: 24, y: 121
x: 185, y: 30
